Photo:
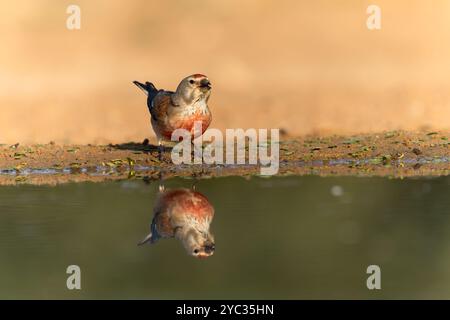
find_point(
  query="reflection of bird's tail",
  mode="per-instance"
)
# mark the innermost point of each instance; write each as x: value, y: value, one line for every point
x: 146, y: 239
x: 148, y: 88
x: 152, y: 237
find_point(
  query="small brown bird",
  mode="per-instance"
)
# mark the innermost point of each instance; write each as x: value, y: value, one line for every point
x: 180, y: 109
x: 186, y: 215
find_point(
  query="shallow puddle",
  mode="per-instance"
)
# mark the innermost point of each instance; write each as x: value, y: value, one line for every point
x: 280, y: 237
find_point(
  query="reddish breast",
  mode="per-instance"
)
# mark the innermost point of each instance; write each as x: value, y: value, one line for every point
x: 187, y: 123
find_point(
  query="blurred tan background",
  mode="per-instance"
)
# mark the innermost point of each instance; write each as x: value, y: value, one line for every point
x: 304, y: 66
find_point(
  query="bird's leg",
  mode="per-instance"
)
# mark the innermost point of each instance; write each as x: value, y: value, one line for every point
x: 160, y: 148
x: 194, y: 154
x: 203, y: 165
x: 203, y: 171
x: 161, y: 187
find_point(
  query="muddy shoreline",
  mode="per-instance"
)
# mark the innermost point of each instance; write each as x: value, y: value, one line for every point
x: 393, y: 154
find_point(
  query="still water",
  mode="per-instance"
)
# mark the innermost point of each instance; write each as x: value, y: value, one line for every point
x: 275, y: 238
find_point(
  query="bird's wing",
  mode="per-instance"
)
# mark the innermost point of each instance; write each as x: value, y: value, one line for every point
x: 160, y: 105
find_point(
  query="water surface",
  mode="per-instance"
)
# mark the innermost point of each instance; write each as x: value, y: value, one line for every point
x: 283, y: 238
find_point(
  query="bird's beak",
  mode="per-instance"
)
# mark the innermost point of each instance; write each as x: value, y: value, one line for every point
x: 204, y: 83
x: 209, y: 248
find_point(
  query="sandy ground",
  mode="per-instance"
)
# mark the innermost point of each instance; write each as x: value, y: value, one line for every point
x: 396, y: 154
x: 308, y: 67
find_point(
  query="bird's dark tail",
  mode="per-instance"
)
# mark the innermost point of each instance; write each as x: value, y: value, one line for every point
x: 148, y: 238
x: 148, y: 88
x: 152, y: 237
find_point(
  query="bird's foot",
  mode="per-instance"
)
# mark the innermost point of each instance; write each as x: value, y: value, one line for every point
x: 160, y: 151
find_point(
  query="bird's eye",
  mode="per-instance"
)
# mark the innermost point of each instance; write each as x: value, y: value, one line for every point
x: 196, y: 251
x: 191, y: 81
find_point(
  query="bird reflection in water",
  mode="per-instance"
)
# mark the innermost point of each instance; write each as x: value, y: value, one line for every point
x: 186, y: 215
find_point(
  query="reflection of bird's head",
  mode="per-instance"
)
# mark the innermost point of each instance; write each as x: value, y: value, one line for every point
x: 199, y: 244
x: 186, y: 215
x: 193, y: 88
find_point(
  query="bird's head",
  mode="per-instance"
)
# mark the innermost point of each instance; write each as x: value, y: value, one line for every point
x: 197, y: 243
x: 194, y: 88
